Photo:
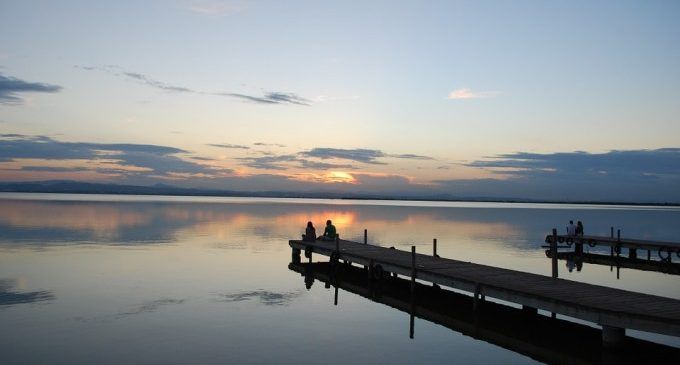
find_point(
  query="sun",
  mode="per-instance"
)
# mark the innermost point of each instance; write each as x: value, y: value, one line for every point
x: 340, y: 176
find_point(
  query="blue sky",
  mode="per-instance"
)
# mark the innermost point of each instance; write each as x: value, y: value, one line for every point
x: 544, y: 100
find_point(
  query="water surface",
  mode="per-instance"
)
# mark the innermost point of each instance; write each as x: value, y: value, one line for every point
x: 113, y: 279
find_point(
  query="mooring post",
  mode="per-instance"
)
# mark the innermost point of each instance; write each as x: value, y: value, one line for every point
x: 337, y: 246
x: 295, y: 254
x: 365, y: 236
x: 335, y: 299
x: 618, y: 242
x: 434, y: 247
x: 553, y: 252
x: 413, y: 269
x: 613, y: 336
x: 611, y: 247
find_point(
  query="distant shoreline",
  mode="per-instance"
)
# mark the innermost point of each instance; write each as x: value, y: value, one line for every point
x: 71, y: 187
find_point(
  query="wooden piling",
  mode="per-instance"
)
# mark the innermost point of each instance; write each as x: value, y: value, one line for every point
x: 434, y: 247
x: 413, y: 269
x: 553, y: 252
x: 365, y: 236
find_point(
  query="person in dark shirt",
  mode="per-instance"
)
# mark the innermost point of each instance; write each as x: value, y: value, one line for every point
x: 310, y: 233
x: 329, y: 233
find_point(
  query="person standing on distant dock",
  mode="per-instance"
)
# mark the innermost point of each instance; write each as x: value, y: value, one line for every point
x: 310, y: 233
x: 329, y: 233
x: 571, y: 229
x: 579, y: 228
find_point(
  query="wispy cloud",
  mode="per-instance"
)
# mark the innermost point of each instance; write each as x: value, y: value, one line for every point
x: 10, y: 87
x: 229, y: 145
x: 464, y: 93
x: 130, y: 158
x: 155, y: 83
x: 362, y: 155
x: 268, y: 144
x: 269, y: 97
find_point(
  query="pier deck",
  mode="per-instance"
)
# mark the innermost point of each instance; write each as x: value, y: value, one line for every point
x: 614, y: 309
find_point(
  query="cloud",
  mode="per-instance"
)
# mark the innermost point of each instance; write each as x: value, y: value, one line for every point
x: 362, y: 155
x: 464, y: 93
x: 160, y: 160
x: 155, y: 83
x: 284, y: 162
x: 269, y: 97
x: 358, y: 154
x: 626, y: 176
x: 10, y: 87
x: 641, y: 163
x: 268, y: 144
x: 227, y: 145
x: 410, y: 156
x: 269, y: 162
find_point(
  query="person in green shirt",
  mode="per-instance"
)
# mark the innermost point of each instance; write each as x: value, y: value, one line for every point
x: 329, y: 233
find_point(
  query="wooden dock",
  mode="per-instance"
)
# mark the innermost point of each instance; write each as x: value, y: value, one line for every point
x: 664, y: 250
x: 542, y: 338
x: 614, y: 309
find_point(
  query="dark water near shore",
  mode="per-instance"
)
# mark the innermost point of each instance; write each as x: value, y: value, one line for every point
x: 111, y: 279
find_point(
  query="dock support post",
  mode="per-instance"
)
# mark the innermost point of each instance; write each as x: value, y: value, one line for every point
x: 553, y: 252
x: 611, y: 247
x: 618, y: 242
x: 335, y: 299
x: 295, y: 255
x: 434, y: 247
x: 613, y: 336
x: 649, y: 255
x: 413, y: 269
x: 365, y: 236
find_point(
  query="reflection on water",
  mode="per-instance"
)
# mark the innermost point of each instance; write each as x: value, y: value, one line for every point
x: 205, y: 280
x: 537, y: 336
x: 11, y: 293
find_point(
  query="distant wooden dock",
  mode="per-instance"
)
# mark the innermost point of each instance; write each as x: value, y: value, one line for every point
x: 665, y: 251
x: 614, y: 309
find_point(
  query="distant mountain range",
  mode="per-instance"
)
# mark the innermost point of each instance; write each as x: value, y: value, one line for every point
x: 76, y: 187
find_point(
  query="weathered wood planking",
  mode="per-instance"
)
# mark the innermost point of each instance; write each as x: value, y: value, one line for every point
x: 602, y: 305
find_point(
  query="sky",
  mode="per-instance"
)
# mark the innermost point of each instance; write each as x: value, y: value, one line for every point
x: 555, y: 100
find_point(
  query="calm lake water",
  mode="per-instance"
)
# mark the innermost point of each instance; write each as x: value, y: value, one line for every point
x: 127, y: 279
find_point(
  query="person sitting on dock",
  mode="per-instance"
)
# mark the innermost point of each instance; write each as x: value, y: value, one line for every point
x: 579, y: 228
x: 571, y: 229
x: 310, y: 233
x: 329, y: 234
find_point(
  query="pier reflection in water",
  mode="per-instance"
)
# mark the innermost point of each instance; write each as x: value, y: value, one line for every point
x: 525, y: 332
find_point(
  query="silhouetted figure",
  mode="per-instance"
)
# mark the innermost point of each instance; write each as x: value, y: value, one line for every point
x: 310, y: 233
x: 579, y: 228
x: 571, y: 229
x: 329, y: 233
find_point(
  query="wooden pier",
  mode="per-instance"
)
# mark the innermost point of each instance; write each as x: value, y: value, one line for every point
x: 614, y: 309
x: 665, y: 251
x: 542, y: 338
